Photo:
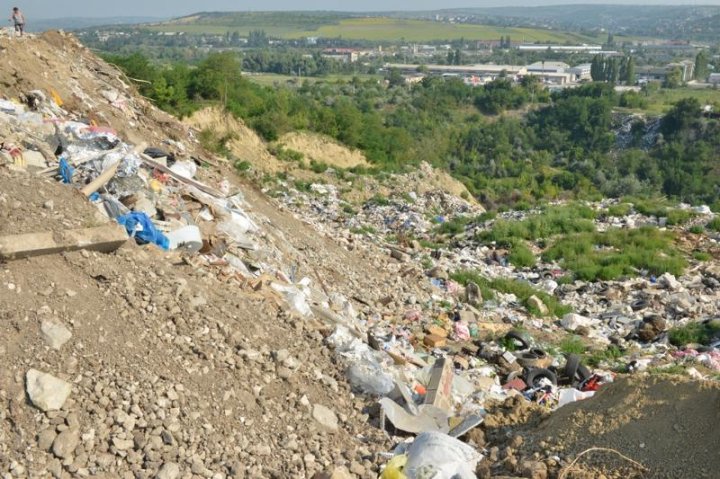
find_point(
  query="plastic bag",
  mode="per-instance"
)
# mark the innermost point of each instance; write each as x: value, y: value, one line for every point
x: 187, y: 238
x: 66, y: 171
x: 186, y: 169
x: 296, y: 298
x: 435, y: 455
x: 140, y: 227
x: 369, y: 378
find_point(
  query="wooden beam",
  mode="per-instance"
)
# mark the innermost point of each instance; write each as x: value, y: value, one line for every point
x: 105, y: 239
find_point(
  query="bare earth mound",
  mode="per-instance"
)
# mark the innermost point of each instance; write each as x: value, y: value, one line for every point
x: 323, y: 150
x: 669, y: 426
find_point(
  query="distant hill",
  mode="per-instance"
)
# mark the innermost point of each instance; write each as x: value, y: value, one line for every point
x: 77, y: 23
x: 664, y: 21
x: 357, y: 26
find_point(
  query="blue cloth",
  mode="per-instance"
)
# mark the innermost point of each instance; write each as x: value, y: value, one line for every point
x: 147, y: 233
x: 66, y: 171
x: 94, y: 197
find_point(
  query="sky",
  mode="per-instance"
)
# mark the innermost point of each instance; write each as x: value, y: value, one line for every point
x: 45, y: 9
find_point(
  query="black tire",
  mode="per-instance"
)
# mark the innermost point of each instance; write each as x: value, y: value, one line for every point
x: 539, y: 353
x: 638, y: 304
x: 571, y: 367
x: 535, y: 375
x: 583, y: 373
x: 520, y: 337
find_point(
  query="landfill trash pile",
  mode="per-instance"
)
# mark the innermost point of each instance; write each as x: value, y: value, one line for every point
x: 167, y: 319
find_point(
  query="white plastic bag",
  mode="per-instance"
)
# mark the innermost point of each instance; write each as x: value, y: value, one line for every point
x: 435, y: 455
x: 186, y: 169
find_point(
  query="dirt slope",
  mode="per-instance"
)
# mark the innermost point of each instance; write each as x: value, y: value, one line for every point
x: 245, y: 145
x: 323, y: 150
x: 177, y: 369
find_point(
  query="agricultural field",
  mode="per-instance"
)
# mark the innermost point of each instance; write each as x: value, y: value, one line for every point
x: 291, y: 26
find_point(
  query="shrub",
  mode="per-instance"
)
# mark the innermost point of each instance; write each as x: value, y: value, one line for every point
x: 679, y: 217
x: 702, y: 255
x: 696, y: 333
x: 318, y: 167
x: 619, y: 210
x: 379, y: 200
x: 572, y: 345
x: 521, y: 289
x: 454, y: 226
x: 611, y: 355
x: 551, y: 222
x: 243, y: 165
x: 617, y: 252
x: 697, y: 229
x: 714, y: 224
x: 520, y: 255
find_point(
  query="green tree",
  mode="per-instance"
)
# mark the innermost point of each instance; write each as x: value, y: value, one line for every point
x: 701, y: 66
x: 215, y: 76
x: 395, y: 78
x: 673, y: 78
x: 684, y: 115
x: 597, y: 68
x: 629, y: 76
x: 258, y: 39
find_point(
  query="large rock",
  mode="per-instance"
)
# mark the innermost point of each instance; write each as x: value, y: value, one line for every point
x: 573, y: 321
x: 169, y: 470
x: 65, y: 443
x: 54, y: 333
x: 46, y: 392
x: 325, y: 416
x: 668, y: 281
x: 537, y: 304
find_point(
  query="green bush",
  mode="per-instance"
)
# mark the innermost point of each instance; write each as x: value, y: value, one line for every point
x: 242, y: 165
x: 695, y: 333
x: 302, y: 185
x: 679, y: 217
x: 697, y: 229
x: 609, y: 355
x: 520, y: 255
x: 714, y: 224
x: 702, y: 255
x: 318, y: 167
x: 553, y: 221
x: 379, y: 200
x: 454, y: 226
x: 617, y: 252
x: 619, y: 210
x: 522, y: 290
x: 572, y: 345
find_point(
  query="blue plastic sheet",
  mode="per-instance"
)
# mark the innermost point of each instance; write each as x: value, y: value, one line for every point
x: 66, y: 171
x: 140, y: 226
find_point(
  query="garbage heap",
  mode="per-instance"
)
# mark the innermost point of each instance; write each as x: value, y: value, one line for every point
x: 438, y: 353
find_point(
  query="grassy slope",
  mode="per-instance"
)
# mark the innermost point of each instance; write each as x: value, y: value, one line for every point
x: 369, y: 28
x: 660, y: 102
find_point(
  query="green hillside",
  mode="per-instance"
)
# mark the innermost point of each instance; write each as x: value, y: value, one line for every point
x: 373, y: 28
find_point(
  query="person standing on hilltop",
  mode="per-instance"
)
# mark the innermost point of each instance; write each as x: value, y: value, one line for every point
x: 19, y: 20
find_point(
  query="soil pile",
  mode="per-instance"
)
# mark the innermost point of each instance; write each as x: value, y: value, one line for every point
x: 323, y: 150
x: 669, y: 426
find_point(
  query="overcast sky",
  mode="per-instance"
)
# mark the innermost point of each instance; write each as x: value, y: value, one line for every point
x: 173, y: 8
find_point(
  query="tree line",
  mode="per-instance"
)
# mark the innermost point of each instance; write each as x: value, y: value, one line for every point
x: 552, y: 146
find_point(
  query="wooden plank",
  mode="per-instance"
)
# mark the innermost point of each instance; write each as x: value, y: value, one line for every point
x: 105, y: 239
x: 188, y: 181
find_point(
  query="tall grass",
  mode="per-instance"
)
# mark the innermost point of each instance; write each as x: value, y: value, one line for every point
x: 522, y: 290
x: 551, y: 222
x: 617, y: 252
